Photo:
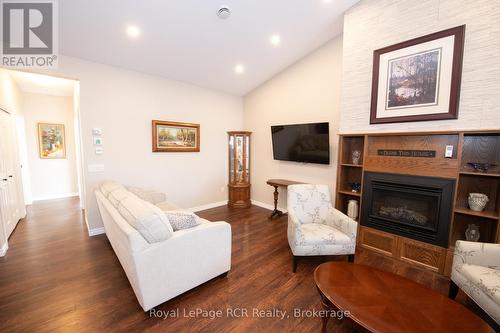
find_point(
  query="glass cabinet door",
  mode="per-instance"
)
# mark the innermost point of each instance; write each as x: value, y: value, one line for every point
x: 247, y: 159
x: 239, y: 159
x: 231, y: 160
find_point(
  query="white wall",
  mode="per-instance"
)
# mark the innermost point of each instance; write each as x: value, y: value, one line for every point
x: 50, y: 178
x: 378, y: 23
x: 123, y: 103
x: 308, y: 91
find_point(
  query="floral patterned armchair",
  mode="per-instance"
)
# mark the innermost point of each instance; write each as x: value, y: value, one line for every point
x: 315, y: 227
x: 476, y: 270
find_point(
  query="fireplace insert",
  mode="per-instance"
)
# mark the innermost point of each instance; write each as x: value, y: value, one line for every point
x: 411, y: 206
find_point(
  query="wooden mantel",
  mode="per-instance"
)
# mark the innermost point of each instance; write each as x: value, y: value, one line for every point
x: 468, y: 146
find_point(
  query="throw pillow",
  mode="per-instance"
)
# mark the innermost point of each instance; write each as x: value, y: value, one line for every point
x: 180, y: 220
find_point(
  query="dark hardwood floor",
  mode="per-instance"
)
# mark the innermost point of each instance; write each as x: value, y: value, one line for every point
x: 55, y: 278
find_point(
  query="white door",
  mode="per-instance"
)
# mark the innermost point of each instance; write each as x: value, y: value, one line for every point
x: 9, y: 197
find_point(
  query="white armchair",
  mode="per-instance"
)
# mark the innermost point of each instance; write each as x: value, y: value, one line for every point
x: 315, y: 228
x: 476, y: 270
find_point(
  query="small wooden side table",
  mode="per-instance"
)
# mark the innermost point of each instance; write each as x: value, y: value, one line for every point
x: 277, y: 183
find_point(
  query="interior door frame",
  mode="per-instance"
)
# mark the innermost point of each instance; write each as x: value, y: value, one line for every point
x: 4, y: 216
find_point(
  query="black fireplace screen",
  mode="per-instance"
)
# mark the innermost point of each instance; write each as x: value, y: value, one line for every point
x: 410, y: 206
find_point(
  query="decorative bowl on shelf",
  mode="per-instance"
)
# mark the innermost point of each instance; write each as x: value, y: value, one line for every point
x: 481, y: 167
x: 477, y: 201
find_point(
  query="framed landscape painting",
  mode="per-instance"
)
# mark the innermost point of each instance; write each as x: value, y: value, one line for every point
x: 418, y: 79
x: 51, y: 141
x: 170, y: 136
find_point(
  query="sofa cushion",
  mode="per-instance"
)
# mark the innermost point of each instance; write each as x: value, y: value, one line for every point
x: 484, y: 279
x: 167, y: 206
x: 118, y: 195
x: 146, y: 218
x: 321, y: 234
x: 153, y: 197
x: 109, y: 186
x: 180, y: 220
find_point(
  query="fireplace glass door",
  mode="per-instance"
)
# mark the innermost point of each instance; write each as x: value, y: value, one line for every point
x: 405, y: 206
x: 411, y: 206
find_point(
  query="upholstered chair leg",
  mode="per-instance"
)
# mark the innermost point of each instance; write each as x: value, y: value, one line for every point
x: 350, y: 257
x: 452, y: 293
x: 294, y: 264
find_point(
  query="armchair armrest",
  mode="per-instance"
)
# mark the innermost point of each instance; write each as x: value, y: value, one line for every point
x: 344, y: 223
x: 479, y: 254
x: 294, y: 231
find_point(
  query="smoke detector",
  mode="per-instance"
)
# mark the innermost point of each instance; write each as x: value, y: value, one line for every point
x: 224, y: 12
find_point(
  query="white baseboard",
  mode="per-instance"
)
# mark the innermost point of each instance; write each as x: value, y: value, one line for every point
x: 3, y: 250
x: 96, y: 231
x: 207, y: 206
x: 57, y: 196
x: 267, y: 206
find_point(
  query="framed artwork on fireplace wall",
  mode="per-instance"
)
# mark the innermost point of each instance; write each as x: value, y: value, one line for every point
x: 418, y: 79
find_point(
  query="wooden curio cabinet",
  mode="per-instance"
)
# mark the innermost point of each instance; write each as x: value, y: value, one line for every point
x: 239, y: 169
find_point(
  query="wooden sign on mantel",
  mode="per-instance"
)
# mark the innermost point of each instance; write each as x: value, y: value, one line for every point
x: 407, y: 153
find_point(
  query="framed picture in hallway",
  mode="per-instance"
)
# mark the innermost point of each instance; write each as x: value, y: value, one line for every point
x: 418, y: 79
x: 51, y: 141
x: 169, y: 136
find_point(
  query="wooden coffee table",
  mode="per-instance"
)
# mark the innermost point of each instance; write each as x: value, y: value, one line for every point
x: 384, y: 302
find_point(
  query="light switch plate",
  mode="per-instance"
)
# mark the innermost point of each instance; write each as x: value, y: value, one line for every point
x: 448, y: 153
x: 93, y: 168
x: 97, y: 131
x: 98, y: 150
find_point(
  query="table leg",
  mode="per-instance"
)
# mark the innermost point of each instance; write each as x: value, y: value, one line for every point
x: 326, y: 316
x: 275, y: 212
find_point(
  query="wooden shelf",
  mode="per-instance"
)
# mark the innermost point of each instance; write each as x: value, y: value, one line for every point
x: 486, y: 214
x: 352, y: 165
x: 354, y: 194
x: 481, y: 174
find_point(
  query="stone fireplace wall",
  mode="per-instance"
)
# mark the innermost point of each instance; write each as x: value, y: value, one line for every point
x: 374, y: 24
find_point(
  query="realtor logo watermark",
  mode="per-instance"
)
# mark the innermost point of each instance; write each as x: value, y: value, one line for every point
x: 29, y: 33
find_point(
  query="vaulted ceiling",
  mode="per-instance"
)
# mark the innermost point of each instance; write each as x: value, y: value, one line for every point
x: 185, y: 40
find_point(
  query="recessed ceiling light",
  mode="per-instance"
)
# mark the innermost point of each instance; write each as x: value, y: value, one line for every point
x: 133, y: 31
x: 239, y: 69
x: 275, y: 40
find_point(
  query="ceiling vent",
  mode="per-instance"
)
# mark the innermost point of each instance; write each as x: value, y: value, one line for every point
x: 224, y: 12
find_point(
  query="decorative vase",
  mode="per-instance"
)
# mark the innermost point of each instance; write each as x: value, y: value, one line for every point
x: 472, y: 233
x: 356, y: 155
x: 352, y: 209
x: 477, y: 201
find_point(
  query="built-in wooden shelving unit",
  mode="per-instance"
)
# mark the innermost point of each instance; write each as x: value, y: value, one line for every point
x: 349, y: 172
x: 469, y: 146
x: 483, y: 147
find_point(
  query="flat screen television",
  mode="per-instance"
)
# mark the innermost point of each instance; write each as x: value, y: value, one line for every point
x: 307, y: 143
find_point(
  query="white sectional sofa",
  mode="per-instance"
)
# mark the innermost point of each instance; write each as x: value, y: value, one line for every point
x: 160, y: 269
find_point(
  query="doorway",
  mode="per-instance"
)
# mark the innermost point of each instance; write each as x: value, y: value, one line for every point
x: 44, y: 138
